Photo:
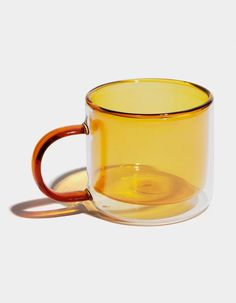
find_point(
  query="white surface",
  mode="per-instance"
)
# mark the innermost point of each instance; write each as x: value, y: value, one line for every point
x: 52, y: 53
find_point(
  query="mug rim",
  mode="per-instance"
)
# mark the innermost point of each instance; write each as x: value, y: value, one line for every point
x: 201, y: 107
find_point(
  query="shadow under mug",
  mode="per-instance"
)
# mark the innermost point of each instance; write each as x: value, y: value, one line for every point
x: 148, y: 151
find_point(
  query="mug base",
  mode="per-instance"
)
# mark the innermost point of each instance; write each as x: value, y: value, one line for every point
x: 155, y: 215
x: 131, y: 214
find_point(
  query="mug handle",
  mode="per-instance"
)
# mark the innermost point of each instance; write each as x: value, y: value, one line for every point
x: 39, y: 151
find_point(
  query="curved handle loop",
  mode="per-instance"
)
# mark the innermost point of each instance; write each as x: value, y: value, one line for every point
x: 39, y: 151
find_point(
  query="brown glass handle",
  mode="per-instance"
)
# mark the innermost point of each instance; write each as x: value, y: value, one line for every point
x: 39, y: 151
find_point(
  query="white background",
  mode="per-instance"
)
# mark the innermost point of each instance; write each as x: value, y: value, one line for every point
x: 52, y: 53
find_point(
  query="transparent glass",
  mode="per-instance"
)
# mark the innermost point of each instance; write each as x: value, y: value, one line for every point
x: 148, y: 149
x: 149, y: 153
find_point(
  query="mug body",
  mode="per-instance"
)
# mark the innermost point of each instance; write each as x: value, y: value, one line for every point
x: 149, y: 153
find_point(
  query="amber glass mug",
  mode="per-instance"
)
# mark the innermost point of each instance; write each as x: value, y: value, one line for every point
x: 148, y: 151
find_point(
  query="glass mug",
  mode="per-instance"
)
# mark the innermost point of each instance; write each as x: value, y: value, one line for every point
x: 148, y: 151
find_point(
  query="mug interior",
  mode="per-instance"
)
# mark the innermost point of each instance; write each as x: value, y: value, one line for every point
x: 149, y: 97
